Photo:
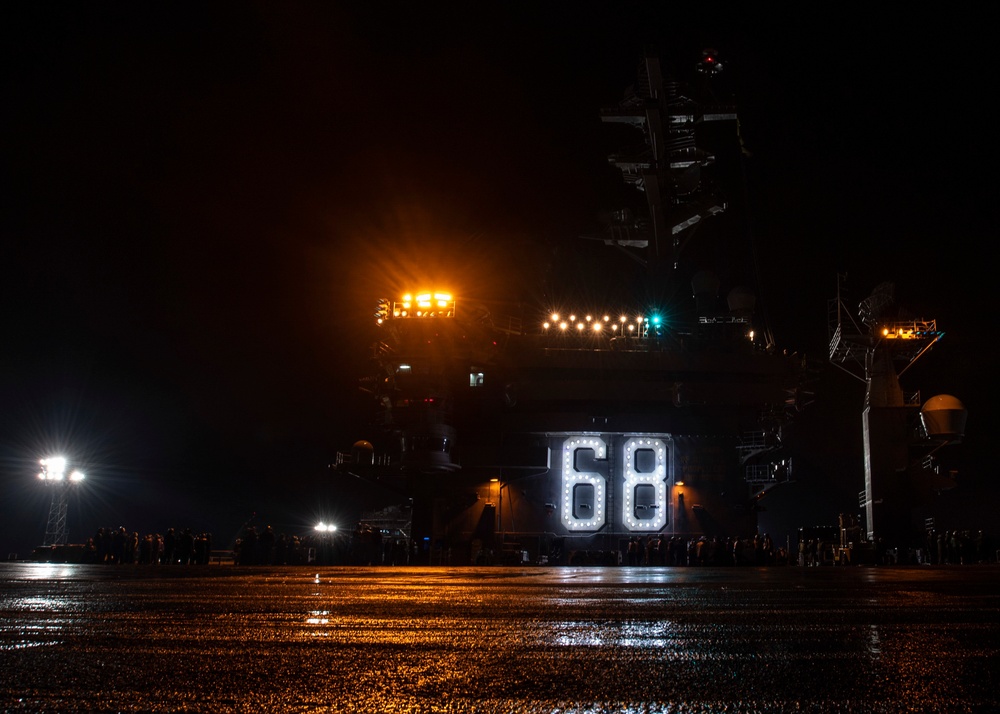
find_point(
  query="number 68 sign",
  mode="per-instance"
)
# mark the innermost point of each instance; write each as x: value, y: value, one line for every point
x: 642, y: 461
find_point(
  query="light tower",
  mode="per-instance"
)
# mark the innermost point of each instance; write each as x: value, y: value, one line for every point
x: 53, y: 473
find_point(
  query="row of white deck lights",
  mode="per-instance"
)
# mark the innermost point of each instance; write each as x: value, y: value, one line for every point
x: 54, y: 469
x: 325, y: 527
x: 595, y: 324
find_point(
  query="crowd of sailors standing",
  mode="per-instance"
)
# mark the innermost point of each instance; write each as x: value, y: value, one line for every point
x: 368, y: 545
x: 678, y: 550
x: 180, y: 547
x: 942, y: 547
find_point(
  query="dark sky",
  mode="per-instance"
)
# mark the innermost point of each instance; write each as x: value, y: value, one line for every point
x: 201, y: 205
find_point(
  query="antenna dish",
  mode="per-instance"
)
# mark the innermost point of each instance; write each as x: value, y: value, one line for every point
x: 944, y: 417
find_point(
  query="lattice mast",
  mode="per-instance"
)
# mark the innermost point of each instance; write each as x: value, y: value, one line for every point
x: 56, y: 528
x: 668, y: 167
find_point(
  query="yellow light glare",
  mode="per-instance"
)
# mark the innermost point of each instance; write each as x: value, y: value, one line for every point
x: 606, y: 318
x: 442, y: 297
x: 580, y: 325
x: 598, y: 326
x: 546, y: 325
x: 588, y: 318
x: 623, y: 319
x: 555, y: 317
x: 563, y: 325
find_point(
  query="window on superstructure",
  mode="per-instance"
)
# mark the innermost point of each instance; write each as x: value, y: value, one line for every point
x: 475, y: 379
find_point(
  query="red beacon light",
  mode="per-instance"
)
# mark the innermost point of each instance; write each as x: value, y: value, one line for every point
x: 709, y: 63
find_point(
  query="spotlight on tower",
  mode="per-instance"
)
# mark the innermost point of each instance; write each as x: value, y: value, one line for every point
x: 54, y: 474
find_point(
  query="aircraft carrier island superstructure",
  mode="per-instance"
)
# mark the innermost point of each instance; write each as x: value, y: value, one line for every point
x: 562, y: 432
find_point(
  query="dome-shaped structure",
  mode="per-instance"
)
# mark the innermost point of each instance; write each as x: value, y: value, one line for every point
x: 943, y: 417
x: 363, y: 452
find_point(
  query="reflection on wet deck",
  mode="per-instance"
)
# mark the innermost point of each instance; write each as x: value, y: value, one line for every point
x: 529, y: 640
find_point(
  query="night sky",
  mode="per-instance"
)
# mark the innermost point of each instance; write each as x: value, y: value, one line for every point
x: 202, y: 204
